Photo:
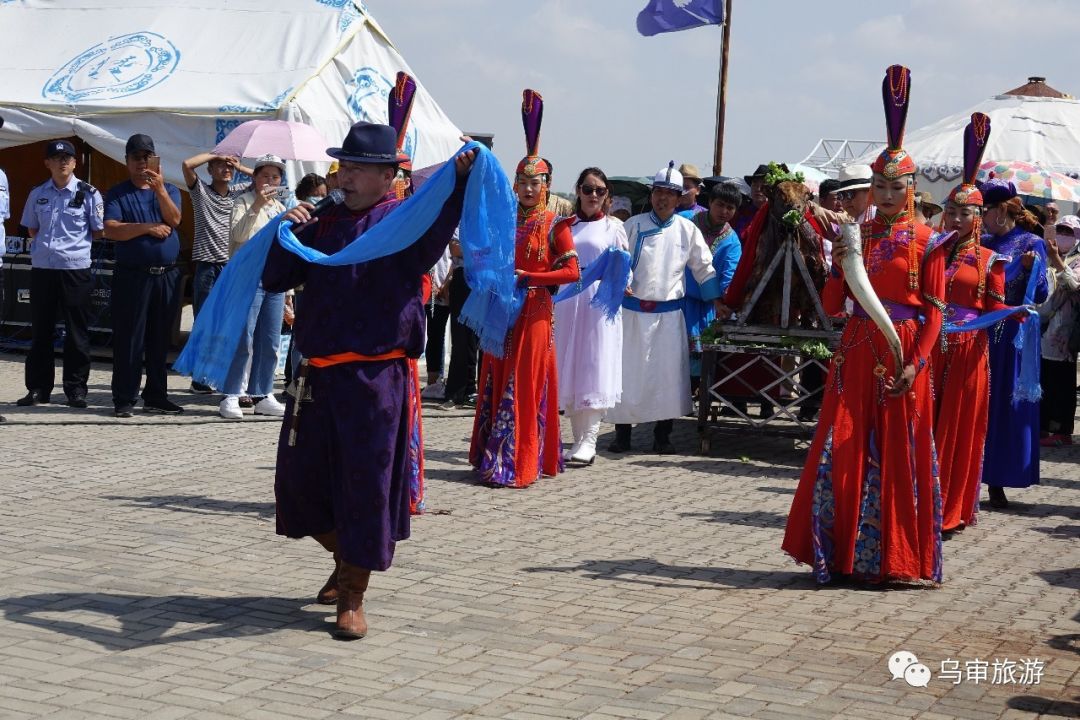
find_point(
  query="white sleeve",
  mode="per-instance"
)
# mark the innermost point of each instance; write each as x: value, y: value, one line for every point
x: 621, y: 242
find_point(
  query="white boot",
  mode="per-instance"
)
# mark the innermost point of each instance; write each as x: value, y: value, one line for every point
x: 576, y: 429
x: 590, y: 422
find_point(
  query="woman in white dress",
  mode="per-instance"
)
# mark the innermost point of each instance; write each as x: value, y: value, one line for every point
x: 588, y: 347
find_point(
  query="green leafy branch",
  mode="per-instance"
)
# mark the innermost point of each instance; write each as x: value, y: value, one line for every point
x: 778, y: 173
x: 806, y: 347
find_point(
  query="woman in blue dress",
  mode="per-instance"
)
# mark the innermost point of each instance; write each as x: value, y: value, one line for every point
x: 1012, y: 437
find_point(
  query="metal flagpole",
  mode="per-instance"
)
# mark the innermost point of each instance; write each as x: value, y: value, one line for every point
x: 721, y: 93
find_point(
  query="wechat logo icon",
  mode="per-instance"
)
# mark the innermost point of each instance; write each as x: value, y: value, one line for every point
x: 905, y: 666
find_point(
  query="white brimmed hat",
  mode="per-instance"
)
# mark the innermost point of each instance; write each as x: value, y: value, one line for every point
x: 855, y: 177
x: 269, y: 160
x: 621, y: 202
x: 1072, y: 222
x: 668, y: 178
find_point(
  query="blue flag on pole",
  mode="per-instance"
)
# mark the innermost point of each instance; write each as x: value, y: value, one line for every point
x: 661, y: 16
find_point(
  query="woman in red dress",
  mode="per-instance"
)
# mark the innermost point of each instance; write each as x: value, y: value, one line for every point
x: 868, y: 503
x: 516, y: 435
x: 960, y: 365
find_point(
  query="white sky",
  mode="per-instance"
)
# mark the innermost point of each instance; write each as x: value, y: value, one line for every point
x: 798, y: 71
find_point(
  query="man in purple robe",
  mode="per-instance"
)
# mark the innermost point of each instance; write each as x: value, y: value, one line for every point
x: 342, y: 454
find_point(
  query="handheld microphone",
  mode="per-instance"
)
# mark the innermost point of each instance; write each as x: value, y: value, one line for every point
x: 335, y: 197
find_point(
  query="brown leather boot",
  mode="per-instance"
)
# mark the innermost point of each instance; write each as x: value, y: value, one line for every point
x: 328, y: 595
x: 352, y: 583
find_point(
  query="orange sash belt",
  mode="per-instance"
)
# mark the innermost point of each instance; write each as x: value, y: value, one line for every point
x: 347, y: 357
x: 325, y: 362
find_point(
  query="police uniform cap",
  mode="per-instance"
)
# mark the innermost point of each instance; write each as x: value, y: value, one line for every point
x: 59, y: 147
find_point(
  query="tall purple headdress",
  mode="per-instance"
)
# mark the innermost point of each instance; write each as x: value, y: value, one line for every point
x: 895, y: 94
x: 532, y: 117
x: 976, y: 137
x: 398, y: 112
x: 894, y: 162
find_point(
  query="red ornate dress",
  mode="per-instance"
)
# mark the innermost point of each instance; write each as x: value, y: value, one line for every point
x: 516, y: 435
x: 960, y: 367
x: 868, y: 502
x: 416, y: 421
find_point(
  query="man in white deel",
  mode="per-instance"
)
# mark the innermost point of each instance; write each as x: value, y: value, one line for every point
x: 656, y: 354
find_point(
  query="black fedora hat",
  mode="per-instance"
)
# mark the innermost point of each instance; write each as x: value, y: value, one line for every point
x: 368, y: 143
x: 762, y: 171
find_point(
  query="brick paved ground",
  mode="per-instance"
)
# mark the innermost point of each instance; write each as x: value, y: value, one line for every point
x: 140, y: 577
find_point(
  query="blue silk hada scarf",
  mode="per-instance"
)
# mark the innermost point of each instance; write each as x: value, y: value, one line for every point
x: 487, y: 313
x: 486, y: 232
x: 1027, y: 337
x: 612, y: 270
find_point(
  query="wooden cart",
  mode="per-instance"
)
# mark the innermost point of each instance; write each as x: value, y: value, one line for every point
x: 763, y: 365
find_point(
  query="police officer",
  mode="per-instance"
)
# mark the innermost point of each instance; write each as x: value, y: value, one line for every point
x: 141, y: 216
x: 63, y: 216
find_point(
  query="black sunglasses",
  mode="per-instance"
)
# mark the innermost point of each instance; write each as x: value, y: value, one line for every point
x: 593, y: 190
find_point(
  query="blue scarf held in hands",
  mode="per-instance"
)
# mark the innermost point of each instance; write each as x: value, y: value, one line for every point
x: 487, y: 313
x: 1027, y: 338
x: 612, y: 270
x: 486, y: 232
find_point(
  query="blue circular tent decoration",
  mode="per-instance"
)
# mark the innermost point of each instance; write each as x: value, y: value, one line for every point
x: 119, y: 67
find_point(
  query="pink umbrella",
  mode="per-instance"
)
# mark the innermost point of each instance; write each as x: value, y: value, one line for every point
x: 288, y: 140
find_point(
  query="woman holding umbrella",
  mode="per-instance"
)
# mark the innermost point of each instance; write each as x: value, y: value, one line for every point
x: 262, y: 336
x: 273, y: 142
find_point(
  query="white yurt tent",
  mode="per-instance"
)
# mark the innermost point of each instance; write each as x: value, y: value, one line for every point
x: 1032, y: 123
x: 188, y: 72
x: 185, y: 73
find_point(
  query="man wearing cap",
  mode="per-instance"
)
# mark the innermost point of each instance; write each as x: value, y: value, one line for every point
x: 691, y: 181
x: 745, y: 215
x: 342, y: 464
x: 925, y: 207
x: 63, y: 215
x: 854, y: 192
x: 141, y: 216
x: 656, y: 356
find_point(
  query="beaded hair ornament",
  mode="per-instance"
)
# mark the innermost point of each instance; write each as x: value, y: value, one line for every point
x: 894, y: 162
x: 976, y: 136
x: 399, y: 111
